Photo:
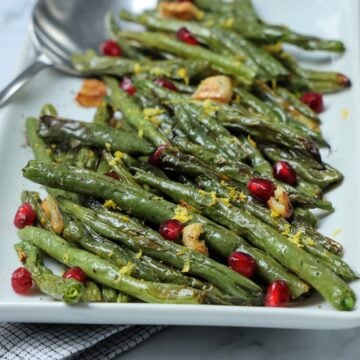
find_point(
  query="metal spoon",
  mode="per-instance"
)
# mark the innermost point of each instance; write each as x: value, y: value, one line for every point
x: 60, y: 28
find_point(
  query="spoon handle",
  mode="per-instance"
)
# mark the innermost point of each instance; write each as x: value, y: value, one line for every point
x: 40, y: 63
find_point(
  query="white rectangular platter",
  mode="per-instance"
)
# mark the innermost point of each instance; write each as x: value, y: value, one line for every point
x: 327, y: 18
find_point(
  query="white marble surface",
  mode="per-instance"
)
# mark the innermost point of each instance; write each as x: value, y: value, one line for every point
x: 195, y: 342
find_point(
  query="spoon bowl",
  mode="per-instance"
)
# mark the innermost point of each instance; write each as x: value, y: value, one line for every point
x: 60, y: 28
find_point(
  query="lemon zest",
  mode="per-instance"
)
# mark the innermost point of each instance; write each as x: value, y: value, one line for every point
x: 151, y: 114
x: 242, y: 197
x: 309, y: 242
x: 225, y: 201
x: 138, y: 255
x: 223, y: 183
x: 211, y: 195
x: 274, y: 213
x: 110, y: 204
x: 209, y: 107
x: 296, y: 239
x: 118, y: 155
x: 286, y: 231
x: 336, y: 232
x: 126, y: 269
x: 182, y: 214
x: 233, y: 194
x: 183, y: 74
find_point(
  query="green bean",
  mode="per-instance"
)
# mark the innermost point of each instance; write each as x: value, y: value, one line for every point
x: 106, y: 273
x: 92, y: 134
x: 68, y: 290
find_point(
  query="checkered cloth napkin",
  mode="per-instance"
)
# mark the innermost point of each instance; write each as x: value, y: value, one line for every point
x: 71, y: 342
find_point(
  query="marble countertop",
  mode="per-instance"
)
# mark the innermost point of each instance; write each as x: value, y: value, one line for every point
x: 195, y: 342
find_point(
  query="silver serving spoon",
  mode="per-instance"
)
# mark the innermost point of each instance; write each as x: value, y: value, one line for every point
x: 60, y: 28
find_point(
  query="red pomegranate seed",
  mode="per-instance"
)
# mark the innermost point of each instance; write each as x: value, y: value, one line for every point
x: 110, y: 48
x: 165, y: 84
x: 184, y: 35
x: 21, y: 280
x: 127, y: 85
x: 171, y: 229
x: 284, y: 172
x: 262, y: 189
x: 75, y: 273
x: 242, y: 263
x: 25, y: 216
x: 277, y: 294
x: 314, y: 101
x: 154, y: 158
x: 112, y: 174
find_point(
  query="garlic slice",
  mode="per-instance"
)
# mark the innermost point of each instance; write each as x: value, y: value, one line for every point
x: 52, y: 212
x: 190, y: 238
x: 280, y: 203
x: 179, y: 10
x: 216, y: 88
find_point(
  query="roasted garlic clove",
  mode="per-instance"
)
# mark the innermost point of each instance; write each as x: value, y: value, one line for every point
x: 190, y: 238
x: 280, y: 203
x: 52, y: 212
x: 179, y: 10
x: 216, y: 88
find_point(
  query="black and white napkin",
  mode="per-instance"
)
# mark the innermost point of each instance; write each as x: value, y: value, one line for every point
x: 85, y: 342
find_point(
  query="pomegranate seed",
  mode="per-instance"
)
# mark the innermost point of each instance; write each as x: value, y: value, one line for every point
x: 127, y: 85
x: 110, y: 48
x: 284, y: 172
x: 21, y: 280
x: 171, y: 229
x: 277, y: 294
x: 184, y: 35
x: 75, y: 273
x: 112, y: 174
x: 314, y: 101
x: 165, y: 84
x: 262, y: 189
x: 154, y: 158
x: 242, y: 263
x: 25, y: 216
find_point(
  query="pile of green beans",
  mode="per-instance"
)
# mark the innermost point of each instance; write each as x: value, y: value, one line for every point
x: 115, y: 181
